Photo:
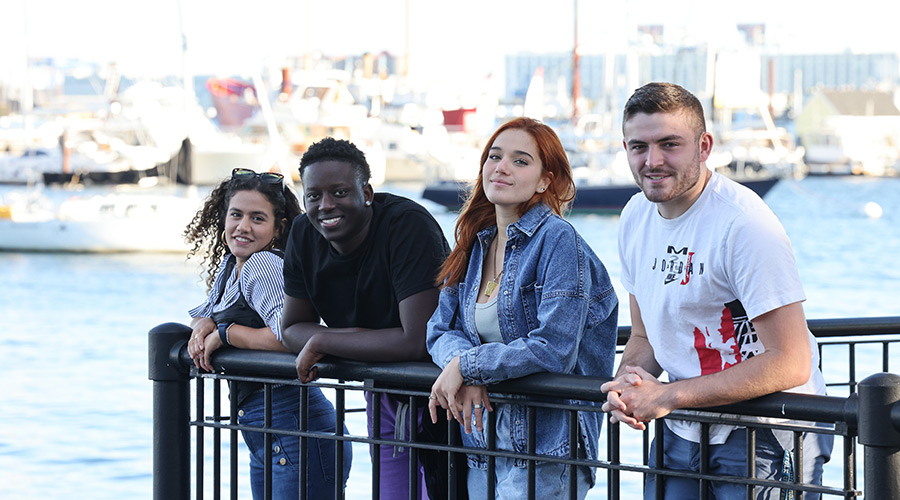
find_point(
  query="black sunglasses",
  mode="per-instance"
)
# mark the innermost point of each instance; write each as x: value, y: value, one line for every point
x: 264, y: 177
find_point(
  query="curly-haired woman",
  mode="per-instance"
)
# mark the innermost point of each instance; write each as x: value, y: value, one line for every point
x: 242, y: 229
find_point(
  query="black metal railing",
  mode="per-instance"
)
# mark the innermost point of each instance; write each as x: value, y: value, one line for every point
x: 867, y: 417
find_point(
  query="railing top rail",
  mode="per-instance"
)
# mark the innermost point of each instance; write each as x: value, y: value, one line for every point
x: 421, y: 375
x: 831, y: 327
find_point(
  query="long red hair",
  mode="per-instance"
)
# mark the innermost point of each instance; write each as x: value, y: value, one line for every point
x: 478, y: 212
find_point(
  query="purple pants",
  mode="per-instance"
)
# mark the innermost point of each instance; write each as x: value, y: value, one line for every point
x: 394, y: 479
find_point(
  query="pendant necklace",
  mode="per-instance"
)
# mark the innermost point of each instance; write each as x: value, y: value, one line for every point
x: 492, y: 284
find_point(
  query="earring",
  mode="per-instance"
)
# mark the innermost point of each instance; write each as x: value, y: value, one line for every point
x: 543, y: 189
x: 223, y: 239
x: 368, y: 203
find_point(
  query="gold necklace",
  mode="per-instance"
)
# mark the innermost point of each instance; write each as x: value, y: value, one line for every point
x: 492, y: 284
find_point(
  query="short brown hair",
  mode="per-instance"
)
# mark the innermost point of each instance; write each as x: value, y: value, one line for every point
x: 664, y: 97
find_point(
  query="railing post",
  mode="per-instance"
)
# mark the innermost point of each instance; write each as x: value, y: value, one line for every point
x: 878, y: 394
x: 171, y: 413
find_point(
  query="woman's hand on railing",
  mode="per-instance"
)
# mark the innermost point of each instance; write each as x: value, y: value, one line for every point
x: 200, y: 330
x: 444, y: 391
x: 461, y: 401
x: 210, y: 345
x: 475, y: 401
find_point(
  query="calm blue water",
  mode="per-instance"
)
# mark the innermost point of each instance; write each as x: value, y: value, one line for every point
x: 73, y: 375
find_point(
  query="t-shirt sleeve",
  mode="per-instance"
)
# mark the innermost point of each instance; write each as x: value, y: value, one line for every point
x: 418, y: 248
x: 294, y: 279
x: 760, y: 263
x: 625, y: 230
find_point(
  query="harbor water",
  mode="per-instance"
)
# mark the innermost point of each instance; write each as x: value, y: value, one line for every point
x: 73, y: 341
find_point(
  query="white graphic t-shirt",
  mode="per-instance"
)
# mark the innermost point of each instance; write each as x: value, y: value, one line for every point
x: 700, y: 278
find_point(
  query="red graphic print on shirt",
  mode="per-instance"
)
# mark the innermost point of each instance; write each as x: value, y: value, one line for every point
x: 717, y: 350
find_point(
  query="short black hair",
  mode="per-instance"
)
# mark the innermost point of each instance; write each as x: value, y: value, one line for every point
x: 664, y: 97
x: 331, y: 149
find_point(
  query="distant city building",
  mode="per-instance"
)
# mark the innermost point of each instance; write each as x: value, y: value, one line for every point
x: 604, y: 81
x: 846, y: 70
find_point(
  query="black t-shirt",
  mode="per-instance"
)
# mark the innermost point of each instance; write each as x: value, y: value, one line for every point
x: 400, y: 257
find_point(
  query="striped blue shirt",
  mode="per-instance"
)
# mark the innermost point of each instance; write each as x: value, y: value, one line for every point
x: 261, y: 282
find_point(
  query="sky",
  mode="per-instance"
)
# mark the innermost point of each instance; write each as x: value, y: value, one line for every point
x: 461, y: 40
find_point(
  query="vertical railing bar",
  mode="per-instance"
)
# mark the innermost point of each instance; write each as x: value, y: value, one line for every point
x: 217, y: 440
x: 645, y: 444
x: 885, y: 356
x: 233, y: 449
x: 267, y: 439
x: 798, y: 462
x: 199, y: 401
x: 751, y: 461
x: 376, y: 455
x: 340, y: 412
x: 573, y: 454
x: 303, y: 459
x: 852, y: 362
x: 821, y: 355
x: 658, y: 457
x: 849, y: 467
x: 531, y: 422
x: 453, y: 438
x: 614, y: 456
x: 492, y: 461
x: 704, y: 459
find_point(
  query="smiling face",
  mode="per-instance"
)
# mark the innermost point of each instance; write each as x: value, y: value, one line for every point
x: 249, y: 224
x: 337, y: 204
x: 513, y: 171
x: 666, y: 158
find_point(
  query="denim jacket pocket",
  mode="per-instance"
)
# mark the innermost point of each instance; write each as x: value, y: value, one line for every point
x: 530, y: 297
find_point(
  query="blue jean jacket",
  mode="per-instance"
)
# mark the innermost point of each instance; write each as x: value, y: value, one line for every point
x: 557, y: 312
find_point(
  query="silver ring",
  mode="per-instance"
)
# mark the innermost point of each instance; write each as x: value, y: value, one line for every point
x: 432, y: 397
x: 477, y: 406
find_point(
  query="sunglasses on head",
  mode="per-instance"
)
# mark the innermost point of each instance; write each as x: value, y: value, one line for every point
x: 264, y: 177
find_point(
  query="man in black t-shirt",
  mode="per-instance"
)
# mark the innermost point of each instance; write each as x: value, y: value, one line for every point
x: 364, y: 264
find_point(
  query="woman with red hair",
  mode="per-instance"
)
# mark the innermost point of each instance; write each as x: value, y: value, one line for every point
x: 521, y: 293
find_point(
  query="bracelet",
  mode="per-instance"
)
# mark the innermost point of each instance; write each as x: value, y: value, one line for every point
x: 223, y: 332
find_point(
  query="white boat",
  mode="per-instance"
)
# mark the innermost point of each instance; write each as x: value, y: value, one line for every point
x: 113, y: 221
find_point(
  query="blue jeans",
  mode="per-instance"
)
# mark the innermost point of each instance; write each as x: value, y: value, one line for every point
x: 730, y: 457
x: 286, y: 448
x: 551, y: 480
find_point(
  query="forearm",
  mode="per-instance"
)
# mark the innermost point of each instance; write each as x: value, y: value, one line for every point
x: 294, y: 337
x: 763, y: 374
x: 262, y: 339
x: 384, y: 345
x: 639, y: 352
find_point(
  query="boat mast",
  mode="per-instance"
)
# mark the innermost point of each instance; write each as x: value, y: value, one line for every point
x: 576, y: 69
x: 408, y: 45
x: 188, y: 84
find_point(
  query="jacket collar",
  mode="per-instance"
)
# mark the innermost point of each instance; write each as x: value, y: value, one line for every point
x: 528, y: 224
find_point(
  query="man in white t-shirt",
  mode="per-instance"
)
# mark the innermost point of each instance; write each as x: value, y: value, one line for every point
x: 715, y: 300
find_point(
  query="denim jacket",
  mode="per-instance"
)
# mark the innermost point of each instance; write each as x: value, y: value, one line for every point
x: 557, y: 312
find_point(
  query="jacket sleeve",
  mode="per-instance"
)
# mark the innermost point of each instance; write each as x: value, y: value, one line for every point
x: 445, y: 336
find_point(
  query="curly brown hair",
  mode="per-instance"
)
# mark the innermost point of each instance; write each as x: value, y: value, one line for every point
x: 204, y: 232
